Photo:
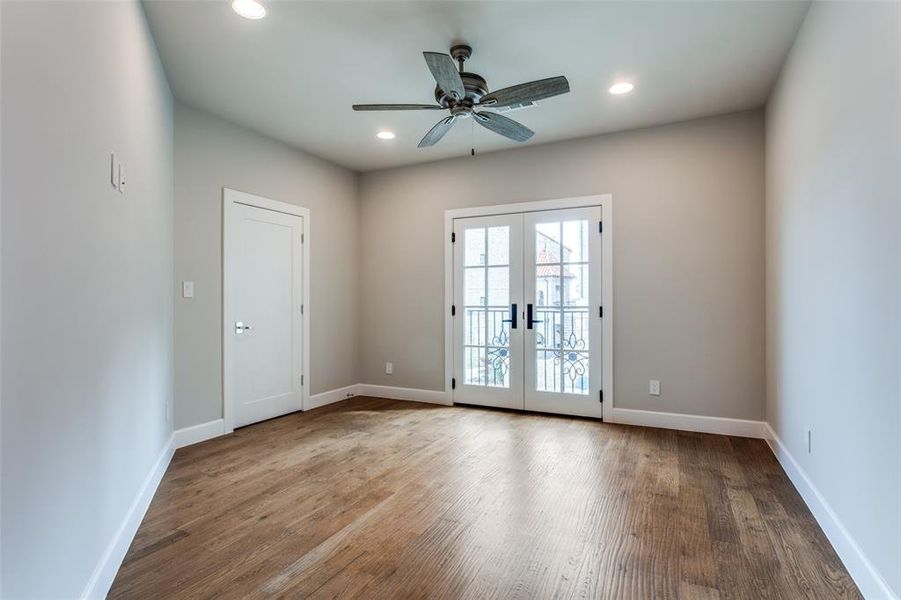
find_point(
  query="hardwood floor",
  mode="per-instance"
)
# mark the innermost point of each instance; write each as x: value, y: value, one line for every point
x: 375, y: 498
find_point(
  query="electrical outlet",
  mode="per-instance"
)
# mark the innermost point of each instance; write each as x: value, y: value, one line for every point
x: 654, y: 387
x: 389, y: 368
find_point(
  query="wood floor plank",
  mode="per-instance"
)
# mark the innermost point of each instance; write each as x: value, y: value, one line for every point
x: 372, y: 498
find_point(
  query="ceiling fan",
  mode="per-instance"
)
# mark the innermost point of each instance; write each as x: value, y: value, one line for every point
x: 462, y: 93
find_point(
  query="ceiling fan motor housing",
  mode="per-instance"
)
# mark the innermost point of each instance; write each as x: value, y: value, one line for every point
x: 475, y: 85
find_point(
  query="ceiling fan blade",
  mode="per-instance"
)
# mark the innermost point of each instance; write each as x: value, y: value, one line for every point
x: 527, y: 92
x: 504, y: 126
x: 445, y: 73
x: 397, y: 107
x: 437, y: 132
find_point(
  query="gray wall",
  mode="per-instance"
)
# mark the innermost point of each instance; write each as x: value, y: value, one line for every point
x: 833, y: 296
x: 210, y: 154
x: 688, y: 257
x: 86, y: 282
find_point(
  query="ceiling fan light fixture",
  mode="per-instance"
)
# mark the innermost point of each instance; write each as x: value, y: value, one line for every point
x: 385, y: 135
x: 623, y: 87
x: 249, y: 9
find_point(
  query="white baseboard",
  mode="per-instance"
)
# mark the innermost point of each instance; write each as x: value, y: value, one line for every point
x: 401, y: 393
x: 332, y: 396
x: 865, y: 575
x: 664, y: 420
x: 199, y: 433
x: 102, y: 578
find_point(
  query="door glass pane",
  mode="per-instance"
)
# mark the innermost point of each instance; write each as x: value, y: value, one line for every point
x: 498, y: 331
x: 575, y: 372
x: 548, y: 285
x: 474, y: 361
x: 499, y: 286
x: 547, y: 243
x: 499, y: 245
x: 575, y: 285
x: 575, y: 330
x: 561, y: 297
x: 474, y: 321
x: 486, y: 355
x: 547, y: 372
x: 575, y: 241
x: 548, y: 331
x: 475, y: 286
x: 498, y: 370
x: 475, y: 247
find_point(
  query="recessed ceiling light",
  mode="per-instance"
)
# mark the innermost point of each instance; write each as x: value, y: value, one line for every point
x: 249, y: 9
x: 618, y: 89
x: 385, y: 135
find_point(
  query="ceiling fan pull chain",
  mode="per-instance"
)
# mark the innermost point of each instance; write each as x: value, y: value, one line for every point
x: 472, y: 133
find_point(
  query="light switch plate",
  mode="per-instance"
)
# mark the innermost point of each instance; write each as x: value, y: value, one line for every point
x: 121, y: 178
x: 114, y: 171
x: 187, y: 289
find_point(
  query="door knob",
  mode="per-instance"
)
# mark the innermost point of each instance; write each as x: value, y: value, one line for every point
x: 512, y: 319
x: 530, y: 321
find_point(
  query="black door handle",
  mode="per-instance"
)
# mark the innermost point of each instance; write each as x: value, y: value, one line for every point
x: 529, y: 320
x: 512, y: 319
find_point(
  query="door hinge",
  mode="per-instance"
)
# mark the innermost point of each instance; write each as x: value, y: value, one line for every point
x: 301, y: 309
x: 600, y: 227
x: 602, y: 396
x: 453, y: 310
x: 301, y: 380
x: 453, y: 383
x: 301, y: 238
x: 601, y: 312
x: 453, y: 237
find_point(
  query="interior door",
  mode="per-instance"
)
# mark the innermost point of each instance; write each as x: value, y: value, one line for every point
x: 267, y: 283
x: 562, y: 333
x: 487, y: 303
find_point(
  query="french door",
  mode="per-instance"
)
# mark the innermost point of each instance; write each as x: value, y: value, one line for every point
x: 488, y: 329
x: 527, y: 311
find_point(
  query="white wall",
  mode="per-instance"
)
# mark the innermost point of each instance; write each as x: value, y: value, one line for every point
x: 688, y: 257
x: 86, y: 284
x: 1, y: 305
x: 210, y: 154
x: 833, y: 296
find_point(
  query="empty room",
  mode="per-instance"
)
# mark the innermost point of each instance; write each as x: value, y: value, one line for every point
x: 450, y: 299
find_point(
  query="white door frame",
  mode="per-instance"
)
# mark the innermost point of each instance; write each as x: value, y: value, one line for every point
x: 605, y: 201
x: 229, y: 199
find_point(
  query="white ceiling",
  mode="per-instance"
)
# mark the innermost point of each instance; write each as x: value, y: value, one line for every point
x: 294, y: 74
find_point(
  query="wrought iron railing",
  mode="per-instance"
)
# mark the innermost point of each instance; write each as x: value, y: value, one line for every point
x: 561, y: 348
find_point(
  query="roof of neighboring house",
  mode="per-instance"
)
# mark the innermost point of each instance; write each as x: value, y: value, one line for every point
x: 550, y: 270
